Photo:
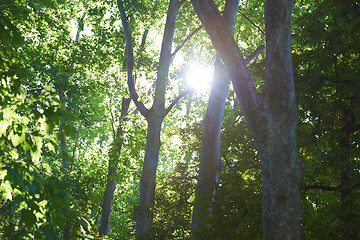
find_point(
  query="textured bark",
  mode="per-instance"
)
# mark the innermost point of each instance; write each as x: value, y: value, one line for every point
x: 210, y: 162
x: 148, y: 176
x: 108, y: 197
x: 271, y: 116
x: 154, y: 116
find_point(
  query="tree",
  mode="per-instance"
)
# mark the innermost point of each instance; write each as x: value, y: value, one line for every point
x: 155, y: 115
x: 271, y: 115
x: 112, y: 170
x: 210, y: 162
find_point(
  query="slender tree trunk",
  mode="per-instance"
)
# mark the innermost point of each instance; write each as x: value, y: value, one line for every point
x: 210, y: 162
x: 66, y: 166
x: 63, y: 146
x: 108, y: 197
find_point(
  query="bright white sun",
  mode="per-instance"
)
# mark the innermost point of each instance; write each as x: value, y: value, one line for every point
x: 198, y: 77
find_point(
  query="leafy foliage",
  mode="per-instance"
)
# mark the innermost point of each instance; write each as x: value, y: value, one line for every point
x: 63, y: 62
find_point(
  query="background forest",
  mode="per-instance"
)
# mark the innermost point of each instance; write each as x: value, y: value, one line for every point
x: 72, y: 142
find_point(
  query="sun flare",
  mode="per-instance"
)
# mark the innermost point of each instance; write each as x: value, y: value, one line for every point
x: 199, y: 77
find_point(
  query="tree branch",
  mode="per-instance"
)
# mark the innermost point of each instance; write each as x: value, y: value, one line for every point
x: 130, y: 61
x: 175, y: 101
x: 185, y: 40
x: 229, y: 52
x: 165, y: 54
x: 143, y: 39
x: 254, y: 54
x: 251, y: 22
x: 325, y: 188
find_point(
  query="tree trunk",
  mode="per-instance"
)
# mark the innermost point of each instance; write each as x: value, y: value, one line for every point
x: 108, y: 199
x: 147, y: 182
x: 113, y: 163
x: 210, y: 162
x: 63, y: 146
x: 66, y: 166
x: 271, y: 116
x: 347, y: 184
x: 280, y: 172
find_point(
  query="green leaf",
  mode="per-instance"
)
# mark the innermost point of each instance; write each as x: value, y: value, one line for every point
x: 3, y: 126
x: 17, y: 139
x: 51, y: 147
x: 26, y: 146
x: 14, y: 154
x: 35, y: 153
x: 6, y: 190
x: 3, y: 173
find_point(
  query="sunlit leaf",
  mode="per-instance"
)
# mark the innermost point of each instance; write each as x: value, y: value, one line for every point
x: 6, y: 190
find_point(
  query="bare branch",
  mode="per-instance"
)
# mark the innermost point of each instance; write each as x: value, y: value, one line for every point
x: 251, y: 22
x: 130, y: 61
x: 146, y: 32
x: 185, y: 40
x: 176, y: 100
x: 325, y: 188
x: 112, y: 119
x: 255, y: 54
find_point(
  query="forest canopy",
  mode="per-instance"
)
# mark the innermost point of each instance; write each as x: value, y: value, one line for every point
x: 180, y: 119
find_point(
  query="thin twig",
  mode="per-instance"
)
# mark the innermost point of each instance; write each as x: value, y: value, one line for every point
x: 176, y: 100
x: 185, y: 40
x: 325, y: 188
x: 251, y: 22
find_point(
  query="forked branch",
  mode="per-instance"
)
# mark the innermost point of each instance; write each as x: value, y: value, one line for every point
x: 130, y: 61
x: 175, y: 101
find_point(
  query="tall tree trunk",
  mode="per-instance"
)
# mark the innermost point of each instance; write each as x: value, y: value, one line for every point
x: 65, y: 163
x: 108, y: 197
x: 271, y: 116
x: 210, y: 162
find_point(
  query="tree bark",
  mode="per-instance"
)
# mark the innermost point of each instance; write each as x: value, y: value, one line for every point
x: 63, y: 146
x: 210, y: 162
x: 108, y: 197
x: 148, y: 176
x: 271, y: 116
